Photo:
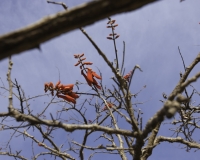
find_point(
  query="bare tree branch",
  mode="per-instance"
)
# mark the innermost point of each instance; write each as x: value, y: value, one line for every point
x: 13, y: 155
x: 49, y: 27
x: 177, y: 140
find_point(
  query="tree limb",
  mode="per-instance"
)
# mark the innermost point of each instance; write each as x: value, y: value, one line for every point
x: 51, y: 26
x: 177, y: 140
x: 68, y: 127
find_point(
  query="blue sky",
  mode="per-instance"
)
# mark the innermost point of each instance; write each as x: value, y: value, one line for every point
x: 152, y: 35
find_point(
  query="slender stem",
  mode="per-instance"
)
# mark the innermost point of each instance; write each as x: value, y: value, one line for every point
x: 123, y: 58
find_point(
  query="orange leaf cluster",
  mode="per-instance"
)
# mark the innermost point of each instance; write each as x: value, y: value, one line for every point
x: 110, y: 105
x: 62, y: 91
x: 87, y: 73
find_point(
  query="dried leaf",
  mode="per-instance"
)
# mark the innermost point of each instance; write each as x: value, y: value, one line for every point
x: 110, y: 38
x: 76, y: 55
x: 46, y: 87
x: 70, y: 86
x: 110, y: 105
x: 113, y: 21
x: 77, y: 63
x: 89, y: 83
x: 99, y: 87
x: 70, y: 99
x: 60, y: 87
x: 67, y: 98
x: 81, y: 55
x: 57, y: 84
x: 96, y: 84
x: 82, y: 59
x: 89, y: 75
x: 112, y: 34
x: 117, y: 36
x: 51, y: 85
x: 87, y: 63
x: 67, y: 89
x: 96, y: 75
x: 74, y: 95
x: 108, y: 22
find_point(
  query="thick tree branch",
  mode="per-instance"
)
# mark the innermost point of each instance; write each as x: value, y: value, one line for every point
x: 49, y: 27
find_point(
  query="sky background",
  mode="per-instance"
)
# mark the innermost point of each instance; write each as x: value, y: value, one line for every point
x: 152, y: 35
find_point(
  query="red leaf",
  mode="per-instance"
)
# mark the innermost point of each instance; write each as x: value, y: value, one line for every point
x: 96, y: 84
x: 46, y: 87
x: 60, y: 87
x: 96, y: 75
x: 117, y: 36
x: 110, y: 38
x: 57, y: 84
x: 70, y: 99
x: 67, y: 98
x: 110, y: 105
x: 127, y: 76
x: 89, y: 83
x: 74, y: 95
x: 81, y: 55
x: 89, y: 75
x: 94, y: 81
x: 77, y: 63
x: 67, y: 89
x: 82, y: 59
x: 112, y: 34
x: 76, y: 55
x: 51, y: 85
x: 87, y: 63
x: 70, y: 86
x: 113, y: 21
x: 99, y: 87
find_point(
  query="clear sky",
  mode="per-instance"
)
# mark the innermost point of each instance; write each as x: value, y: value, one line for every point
x: 152, y: 35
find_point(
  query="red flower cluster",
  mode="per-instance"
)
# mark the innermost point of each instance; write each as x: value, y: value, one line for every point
x: 62, y: 91
x: 87, y: 73
x: 111, y: 24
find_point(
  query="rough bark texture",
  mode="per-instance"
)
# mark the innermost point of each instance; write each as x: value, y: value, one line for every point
x: 49, y: 27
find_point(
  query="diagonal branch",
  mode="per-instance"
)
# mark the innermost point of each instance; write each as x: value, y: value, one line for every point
x: 52, y: 26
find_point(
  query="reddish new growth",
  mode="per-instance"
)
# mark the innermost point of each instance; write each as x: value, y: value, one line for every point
x: 111, y: 24
x: 128, y: 75
x: 110, y: 105
x: 87, y: 73
x: 62, y: 91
